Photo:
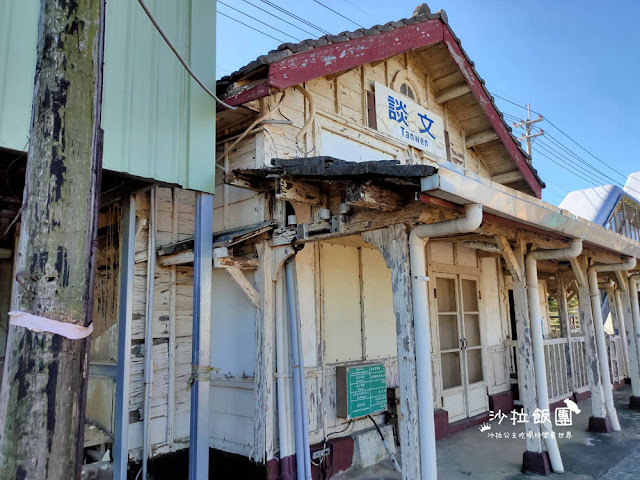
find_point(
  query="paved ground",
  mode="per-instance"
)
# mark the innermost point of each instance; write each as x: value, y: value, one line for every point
x: 472, y: 454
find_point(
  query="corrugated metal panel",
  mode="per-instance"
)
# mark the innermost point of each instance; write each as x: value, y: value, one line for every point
x: 158, y: 123
x: 18, y: 37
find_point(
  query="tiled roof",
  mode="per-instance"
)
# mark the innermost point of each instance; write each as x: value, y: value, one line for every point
x: 421, y: 14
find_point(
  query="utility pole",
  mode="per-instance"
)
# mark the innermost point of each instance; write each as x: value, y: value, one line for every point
x: 526, y: 137
x: 42, y: 401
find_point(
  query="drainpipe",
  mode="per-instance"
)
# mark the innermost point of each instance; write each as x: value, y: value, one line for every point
x: 635, y: 310
x: 303, y: 455
x: 282, y: 376
x: 537, y: 341
x: 594, y: 293
x: 617, y: 296
x: 419, y: 286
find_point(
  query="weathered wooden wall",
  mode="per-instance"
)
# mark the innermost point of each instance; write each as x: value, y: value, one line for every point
x: 341, y: 128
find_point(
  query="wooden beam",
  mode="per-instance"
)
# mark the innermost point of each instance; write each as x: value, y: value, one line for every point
x: 245, y: 285
x: 176, y: 259
x: 452, y: 92
x: 508, y: 177
x: 509, y: 258
x: 235, y: 262
x: 580, y: 271
x: 480, y: 138
x: 287, y: 189
x: 373, y: 197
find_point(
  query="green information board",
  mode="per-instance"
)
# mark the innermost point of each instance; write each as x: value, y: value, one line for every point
x: 361, y: 390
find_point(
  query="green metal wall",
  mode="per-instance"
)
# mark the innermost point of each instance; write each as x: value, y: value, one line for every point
x: 158, y: 122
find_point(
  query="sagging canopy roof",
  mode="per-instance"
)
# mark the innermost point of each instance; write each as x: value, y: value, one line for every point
x: 387, y: 183
x: 425, y: 32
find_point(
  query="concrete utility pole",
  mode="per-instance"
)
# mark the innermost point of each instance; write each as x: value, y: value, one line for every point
x: 45, y: 380
x: 526, y: 137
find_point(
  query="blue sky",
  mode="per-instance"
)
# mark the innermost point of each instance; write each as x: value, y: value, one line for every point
x: 577, y: 62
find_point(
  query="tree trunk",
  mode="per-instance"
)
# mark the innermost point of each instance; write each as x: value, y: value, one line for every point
x: 45, y: 381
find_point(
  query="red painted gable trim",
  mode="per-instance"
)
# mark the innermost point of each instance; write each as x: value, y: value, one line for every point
x: 490, y: 111
x: 245, y: 96
x: 321, y: 61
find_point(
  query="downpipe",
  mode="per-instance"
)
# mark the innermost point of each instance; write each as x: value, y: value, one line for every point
x: 419, y: 286
x: 282, y: 376
x: 303, y: 455
x: 634, y: 281
x: 603, y: 358
x: 537, y: 340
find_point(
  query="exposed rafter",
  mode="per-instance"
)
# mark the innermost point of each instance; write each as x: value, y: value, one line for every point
x: 480, y: 138
x: 452, y: 92
x: 508, y: 177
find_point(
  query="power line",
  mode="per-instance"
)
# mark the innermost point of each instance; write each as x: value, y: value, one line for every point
x: 563, y: 133
x: 338, y: 13
x: 249, y: 26
x: 281, y: 19
x: 358, y: 8
x: 259, y: 21
x: 293, y: 15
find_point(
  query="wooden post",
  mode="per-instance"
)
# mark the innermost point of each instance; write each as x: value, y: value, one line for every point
x: 633, y: 367
x: 264, y: 387
x: 535, y: 459
x: 565, y: 327
x: 598, y: 420
x: 393, y: 243
x: 45, y: 381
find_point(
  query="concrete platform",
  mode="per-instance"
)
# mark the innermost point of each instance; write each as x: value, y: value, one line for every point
x: 472, y: 454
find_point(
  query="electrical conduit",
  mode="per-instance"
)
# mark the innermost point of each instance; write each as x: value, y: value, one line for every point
x: 303, y: 455
x: 598, y: 321
x: 419, y: 285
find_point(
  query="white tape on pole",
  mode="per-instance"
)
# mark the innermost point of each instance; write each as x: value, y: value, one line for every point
x: 42, y: 324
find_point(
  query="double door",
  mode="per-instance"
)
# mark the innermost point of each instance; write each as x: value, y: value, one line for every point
x: 457, y: 299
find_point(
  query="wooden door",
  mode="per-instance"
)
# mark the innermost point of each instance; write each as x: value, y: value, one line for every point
x: 464, y: 391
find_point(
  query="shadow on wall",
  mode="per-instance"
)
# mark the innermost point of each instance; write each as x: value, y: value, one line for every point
x: 222, y: 466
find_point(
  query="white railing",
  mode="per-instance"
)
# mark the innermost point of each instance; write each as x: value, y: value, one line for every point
x: 557, y: 361
x: 579, y: 370
x: 616, y: 358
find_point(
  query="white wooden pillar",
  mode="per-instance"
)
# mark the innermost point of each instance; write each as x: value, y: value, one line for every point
x: 565, y: 327
x: 393, y: 243
x: 598, y: 421
x: 633, y: 367
x: 535, y: 459
x: 264, y: 388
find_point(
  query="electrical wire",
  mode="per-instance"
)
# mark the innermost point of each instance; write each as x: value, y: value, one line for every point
x: 361, y: 9
x: 259, y: 21
x: 252, y: 28
x: 338, y: 13
x: 280, y: 18
x: 182, y: 60
x: 563, y: 133
x: 293, y: 15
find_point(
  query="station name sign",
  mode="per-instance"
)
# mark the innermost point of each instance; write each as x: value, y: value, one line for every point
x: 400, y: 117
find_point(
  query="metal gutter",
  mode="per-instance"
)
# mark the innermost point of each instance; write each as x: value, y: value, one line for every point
x: 451, y: 184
